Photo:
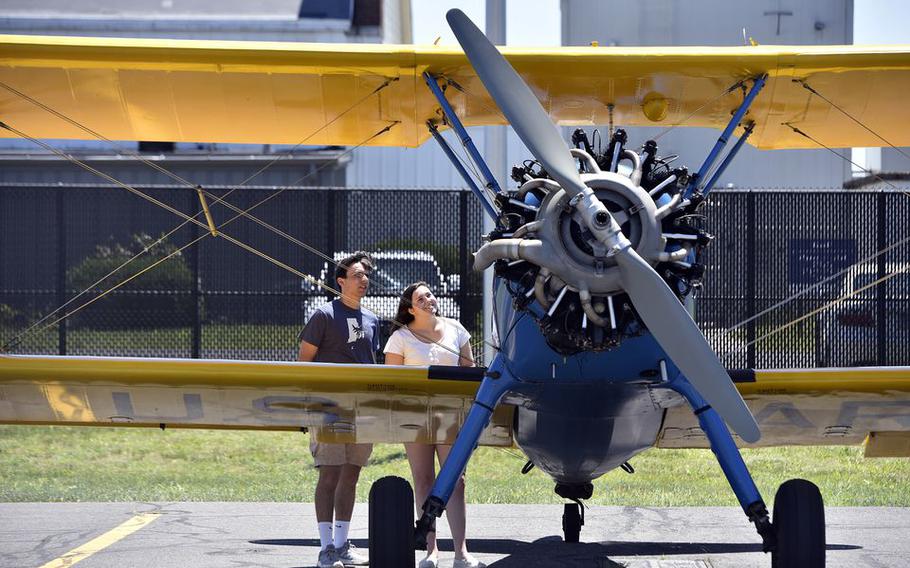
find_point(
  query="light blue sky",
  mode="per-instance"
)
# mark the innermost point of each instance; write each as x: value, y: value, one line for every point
x: 528, y: 22
x: 881, y: 21
x: 537, y: 22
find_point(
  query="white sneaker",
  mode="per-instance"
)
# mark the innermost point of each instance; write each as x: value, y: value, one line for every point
x: 328, y: 558
x: 427, y: 563
x: 469, y: 562
x: 348, y: 555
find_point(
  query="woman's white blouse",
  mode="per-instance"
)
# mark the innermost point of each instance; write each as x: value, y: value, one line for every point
x: 417, y: 352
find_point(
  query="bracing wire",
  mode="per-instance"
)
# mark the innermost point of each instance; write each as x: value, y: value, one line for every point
x: 216, y: 199
x: 818, y: 284
x: 828, y: 305
x: 171, y: 174
x: 189, y: 219
x: 809, y: 88
x: 845, y: 158
x: 692, y: 114
x: 850, y: 116
x: 18, y: 339
x: 793, y: 297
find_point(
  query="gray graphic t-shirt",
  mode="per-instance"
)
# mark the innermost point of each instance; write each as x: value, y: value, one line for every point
x: 342, y: 334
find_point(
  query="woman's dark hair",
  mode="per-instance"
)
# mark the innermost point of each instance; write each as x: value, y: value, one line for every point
x: 403, y: 317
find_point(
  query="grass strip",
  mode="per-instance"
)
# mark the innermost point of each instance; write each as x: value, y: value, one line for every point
x: 52, y: 464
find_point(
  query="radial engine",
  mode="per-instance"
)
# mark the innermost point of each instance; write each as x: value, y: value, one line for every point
x: 565, y: 278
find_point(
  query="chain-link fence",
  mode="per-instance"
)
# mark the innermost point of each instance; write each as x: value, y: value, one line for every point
x: 762, y: 304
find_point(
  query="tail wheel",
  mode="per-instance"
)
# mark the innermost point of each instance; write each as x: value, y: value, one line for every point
x: 799, y: 525
x: 571, y: 522
x: 391, y: 523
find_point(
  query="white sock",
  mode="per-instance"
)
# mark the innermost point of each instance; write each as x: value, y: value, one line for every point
x: 325, y: 535
x: 341, y: 533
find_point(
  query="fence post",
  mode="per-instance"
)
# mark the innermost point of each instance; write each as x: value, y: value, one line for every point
x: 462, y: 252
x: 196, y: 291
x: 4, y: 283
x: 333, y: 225
x: 61, y: 268
x: 750, y: 279
x: 880, y: 273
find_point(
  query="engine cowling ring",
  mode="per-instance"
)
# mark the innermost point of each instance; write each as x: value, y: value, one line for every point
x: 574, y: 255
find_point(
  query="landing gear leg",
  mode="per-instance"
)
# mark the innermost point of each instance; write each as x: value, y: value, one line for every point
x: 573, y: 516
x: 731, y: 462
x: 797, y: 536
x: 494, y: 385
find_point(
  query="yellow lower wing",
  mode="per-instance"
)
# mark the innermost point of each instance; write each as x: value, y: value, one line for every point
x: 805, y: 407
x: 341, y: 403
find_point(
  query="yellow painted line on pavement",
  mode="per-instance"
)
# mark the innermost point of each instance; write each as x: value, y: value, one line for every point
x: 110, y: 537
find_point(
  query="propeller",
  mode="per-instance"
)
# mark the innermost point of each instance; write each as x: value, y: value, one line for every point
x: 665, y: 316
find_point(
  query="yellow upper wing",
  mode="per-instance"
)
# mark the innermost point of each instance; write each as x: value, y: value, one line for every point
x: 806, y: 407
x: 341, y: 403
x: 286, y: 93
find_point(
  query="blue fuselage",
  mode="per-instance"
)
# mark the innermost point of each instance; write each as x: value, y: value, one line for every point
x: 578, y: 416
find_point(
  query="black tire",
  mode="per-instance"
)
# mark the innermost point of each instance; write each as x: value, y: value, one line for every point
x: 391, y: 523
x: 571, y: 522
x: 799, y: 524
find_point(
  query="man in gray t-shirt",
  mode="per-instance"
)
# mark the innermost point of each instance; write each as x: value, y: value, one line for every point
x: 340, y: 331
x: 343, y: 334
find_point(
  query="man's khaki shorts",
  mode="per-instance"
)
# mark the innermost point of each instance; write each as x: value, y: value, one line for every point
x: 340, y: 454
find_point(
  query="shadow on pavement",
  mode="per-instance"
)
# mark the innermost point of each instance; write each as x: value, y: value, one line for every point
x: 552, y: 551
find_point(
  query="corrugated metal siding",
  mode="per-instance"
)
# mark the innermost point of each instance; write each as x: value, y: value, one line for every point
x: 206, y: 173
x: 425, y: 166
x: 895, y: 161
x: 706, y: 22
x: 752, y: 168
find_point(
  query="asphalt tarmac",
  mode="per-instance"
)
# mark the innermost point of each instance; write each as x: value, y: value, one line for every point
x: 199, y: 535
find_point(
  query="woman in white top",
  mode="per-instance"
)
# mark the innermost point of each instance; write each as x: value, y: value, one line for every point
x: 424, y: 338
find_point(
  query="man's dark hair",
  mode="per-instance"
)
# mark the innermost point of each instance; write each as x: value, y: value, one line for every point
x: 363, y: 257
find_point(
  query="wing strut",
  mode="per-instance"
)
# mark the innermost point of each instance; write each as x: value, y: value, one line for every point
x: 453, y: 121
x: 450, y: 154
x: 722, y: 140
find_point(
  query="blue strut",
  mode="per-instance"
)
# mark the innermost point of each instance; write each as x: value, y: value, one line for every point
x: 459, y: 129
x: 729, y: 458
x: 494, y: 385
x: 725, y: 136
x: 450, y: 154
x: 729, y: 158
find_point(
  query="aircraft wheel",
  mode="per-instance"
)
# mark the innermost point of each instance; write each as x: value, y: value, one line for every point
x: 799, y: 524
x: 391, y: 523
x: 571, y: 522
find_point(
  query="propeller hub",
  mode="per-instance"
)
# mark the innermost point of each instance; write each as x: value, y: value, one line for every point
x: 572, y: 242
x: 576, y: 256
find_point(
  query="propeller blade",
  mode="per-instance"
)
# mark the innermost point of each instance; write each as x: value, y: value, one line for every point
x: 517, y: 102
x: 665, y: 317
x: 684, y: 343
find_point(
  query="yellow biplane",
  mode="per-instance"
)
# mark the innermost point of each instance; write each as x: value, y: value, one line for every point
x: 597, y: 358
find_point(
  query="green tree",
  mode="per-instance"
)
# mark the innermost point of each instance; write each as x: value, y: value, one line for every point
x: 158, y: 297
